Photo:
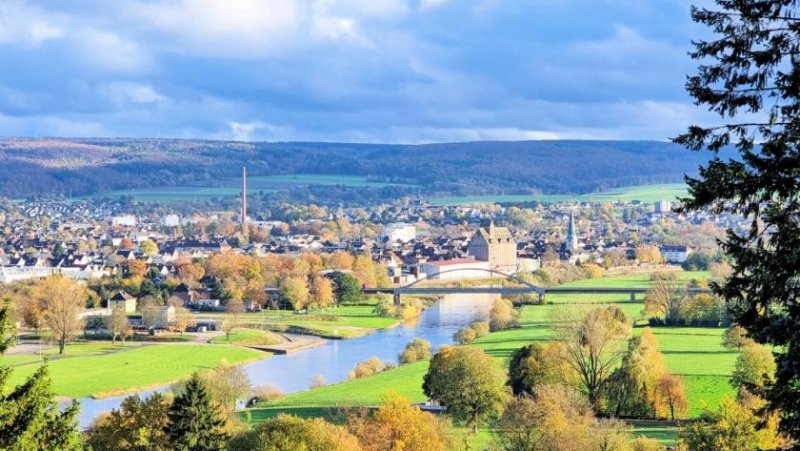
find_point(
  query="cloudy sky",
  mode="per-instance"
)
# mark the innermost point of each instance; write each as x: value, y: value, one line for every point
x: 346, y: 70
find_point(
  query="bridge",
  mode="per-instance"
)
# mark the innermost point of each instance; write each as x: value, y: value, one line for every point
x: 524, y: 287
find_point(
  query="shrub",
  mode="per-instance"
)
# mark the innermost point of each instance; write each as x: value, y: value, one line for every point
x: 464, y: 335
x: 368, y: 367
x: 385, y: 308
x: 267, y: 392
x: 480, y: 328
x: 318, y: 381
x: 416, y: 350
x: 502, y: 316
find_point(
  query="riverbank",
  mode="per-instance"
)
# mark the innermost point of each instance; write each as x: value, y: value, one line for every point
x: 89, y: 372
x: 693, y: 353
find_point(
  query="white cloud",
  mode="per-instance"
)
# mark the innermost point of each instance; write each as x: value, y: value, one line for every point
x: 128, y: 92
x: 106, y: 50
x: 258, y: 131
x: 23, y: 23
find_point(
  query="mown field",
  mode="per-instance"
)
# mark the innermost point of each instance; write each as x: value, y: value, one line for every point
x: 643, y: 193
x: 95, y: 370
x: 694, y: 353
x: 231, y: 187
x: 247, y: 337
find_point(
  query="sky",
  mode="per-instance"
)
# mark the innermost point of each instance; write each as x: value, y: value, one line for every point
x: 394, y: 71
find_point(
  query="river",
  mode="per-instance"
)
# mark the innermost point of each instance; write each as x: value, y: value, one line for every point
x: 334, y: 359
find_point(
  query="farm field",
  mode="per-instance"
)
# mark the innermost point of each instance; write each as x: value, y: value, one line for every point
x: 233, y: 187
x: 695, y: 354
x: 133, y: 368
x: 643, y: 193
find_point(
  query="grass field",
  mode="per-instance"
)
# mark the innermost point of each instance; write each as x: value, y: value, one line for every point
x: 134, y: 368
x: 248, y: 337
x: 643, y: 193
x: 694, y: 353
x: 233, y: 187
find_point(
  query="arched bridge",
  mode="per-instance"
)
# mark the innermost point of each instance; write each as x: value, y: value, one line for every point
x: 526, y: 287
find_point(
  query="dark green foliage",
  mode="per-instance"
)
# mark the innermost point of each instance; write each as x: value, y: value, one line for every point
x: 195, y: 422
x: 749, y: 75
x: 346, y: 288
x: 138, y: 425
x: 528, y: 369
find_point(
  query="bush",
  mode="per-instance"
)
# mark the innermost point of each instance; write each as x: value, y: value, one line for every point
x: 464, y: 335
x: 502, y: 316
x: 385, y: 308
x: 416, y: 350
x: 480, y: 328
x: 409, y: 311
x: 267, y: 392
x: 368, y: 367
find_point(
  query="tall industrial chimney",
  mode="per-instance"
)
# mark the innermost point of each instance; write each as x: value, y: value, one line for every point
x: 244, y: 196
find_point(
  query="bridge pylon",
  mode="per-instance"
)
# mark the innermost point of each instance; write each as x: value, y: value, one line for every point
x: 396, y: 296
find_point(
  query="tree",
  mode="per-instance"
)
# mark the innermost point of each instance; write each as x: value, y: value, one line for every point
x: 195, y: 423
x: 593, y: 344
x: 631, y: 389
x: 227, y: 383
x: 138, y: 425
x: 321, y: 292
x: 63, y: 300
x: 464, y: 380
x: 294, y: 291
x: 535, y: 365
x: 733, y: 427
x: 735, y: 337
x: 556, y: 418
x: 670, y: 397
x: 149, y: 309
x: 367, y: 368
x: 665, y: 298
x: 30, y: 417
x: 183, y: 319
x: 755, y: 367
x: 416, y: 350
x: 346, y: 288
x: 118, y: 325
x: 287, y: 432
x: 397, y: 425
x: 749, y: 76
x: 148, y: 247
x: 234, y: 310
x: 502, y: 315
x: 464, y: 335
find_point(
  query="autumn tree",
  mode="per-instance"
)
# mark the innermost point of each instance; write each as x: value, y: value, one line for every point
x: 398, y: 425
x: 649, y: 254
x: 183, y: 319
x: 593, y: 344
x: 748, y: 74
x: 670, y: 397
x: 227, y: 383
x: 734, y: 426
x: 502, y: 315
x: 294, y: 291
x: 321, y: 292
x: 63, y: 300
x: 666, y: 298
x: 631, y: 390
x: 117, y: 324
x: 138, y: 424
x: 148, y: 247
x: 735, y: 337
x: 755, y: 367
x: 464, y: 380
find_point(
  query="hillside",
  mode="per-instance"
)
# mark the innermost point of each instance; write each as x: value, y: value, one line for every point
x: 90, y: 166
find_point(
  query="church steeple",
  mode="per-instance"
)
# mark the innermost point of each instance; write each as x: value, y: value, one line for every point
x: 572, y: 238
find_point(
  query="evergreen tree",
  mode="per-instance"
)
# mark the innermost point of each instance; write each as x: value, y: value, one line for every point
x: 750, y: 77
x: 30, y: 418
x: 195, y: 423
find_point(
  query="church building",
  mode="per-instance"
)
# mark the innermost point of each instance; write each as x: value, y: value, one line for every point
x: 496, y: 246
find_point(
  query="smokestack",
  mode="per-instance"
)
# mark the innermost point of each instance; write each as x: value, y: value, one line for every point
x: 244, y: 196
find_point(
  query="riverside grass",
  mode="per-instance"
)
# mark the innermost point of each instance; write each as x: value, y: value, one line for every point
x: 137, y: 367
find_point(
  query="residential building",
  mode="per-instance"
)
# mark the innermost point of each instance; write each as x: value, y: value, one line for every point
x: 675, y: 254
x: 122, y: 300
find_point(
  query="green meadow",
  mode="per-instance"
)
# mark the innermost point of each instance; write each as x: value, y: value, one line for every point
x: 643, y: 193
x: 231, y: 187
x: 91, y: 372
x: 695, y: 354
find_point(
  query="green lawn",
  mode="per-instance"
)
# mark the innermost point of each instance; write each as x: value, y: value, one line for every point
x: 248, y: 337
x: 644, y: 193
x: 135, y: 368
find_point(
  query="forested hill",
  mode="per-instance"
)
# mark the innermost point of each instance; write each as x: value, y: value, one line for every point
x: 86, y: 166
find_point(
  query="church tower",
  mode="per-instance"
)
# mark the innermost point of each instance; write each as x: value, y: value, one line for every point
x: 572, y: 238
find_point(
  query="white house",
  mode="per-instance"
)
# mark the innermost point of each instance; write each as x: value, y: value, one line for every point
x: 463, y: 268
x: 399, y: 231
x: 675, y: 254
